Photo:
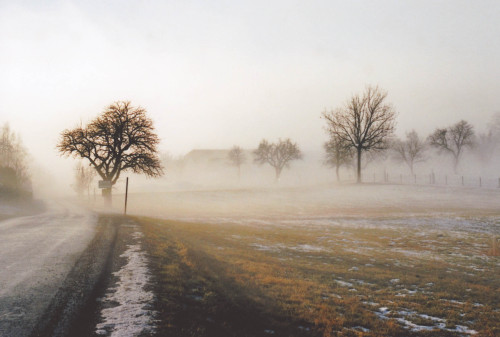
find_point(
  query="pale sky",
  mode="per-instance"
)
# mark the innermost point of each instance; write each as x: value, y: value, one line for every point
x: 213, y: 74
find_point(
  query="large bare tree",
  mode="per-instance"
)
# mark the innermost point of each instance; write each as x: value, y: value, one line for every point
x: 237, y: 158
x: 338, y: 154
x: 453, y: 140
x: 365, y: 123
x: 121, y: 138
x: 411, y: 150
x: 278, y: 155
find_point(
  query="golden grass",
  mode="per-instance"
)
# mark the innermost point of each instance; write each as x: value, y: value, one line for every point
x: 318, y: 281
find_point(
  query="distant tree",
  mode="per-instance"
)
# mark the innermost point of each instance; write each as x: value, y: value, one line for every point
x: 365, y: 123
x: 172, y: 164
x: 13, y: 158
x: 453, y: 140
x: 120, y: 139
x: 338, y: 154
x: 84, y: 176
x: 237, y: 158
x: 485, y: 146
x: 494, y: 126
x: 277, y: 155
x: 411, y: 150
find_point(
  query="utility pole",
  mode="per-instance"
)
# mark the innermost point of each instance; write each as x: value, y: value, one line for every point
x: 126, y: 197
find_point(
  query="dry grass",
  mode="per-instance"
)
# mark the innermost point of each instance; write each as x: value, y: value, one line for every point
x: 294, y: 280
x: 495, y: 247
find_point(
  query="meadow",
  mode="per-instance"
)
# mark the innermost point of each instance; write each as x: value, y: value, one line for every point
x: 430, y: 268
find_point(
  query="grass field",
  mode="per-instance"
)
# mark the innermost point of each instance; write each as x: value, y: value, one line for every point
x: 399, y: 274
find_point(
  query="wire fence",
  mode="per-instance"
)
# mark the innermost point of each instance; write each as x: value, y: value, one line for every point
x: 453, y: 180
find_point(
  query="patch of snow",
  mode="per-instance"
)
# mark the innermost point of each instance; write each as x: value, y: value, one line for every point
x: 307, y: 248
x: 266, y: 248
x: 439, y: 323
x: 131, y: 316
x: 344, y: 283
x: 463, y: 329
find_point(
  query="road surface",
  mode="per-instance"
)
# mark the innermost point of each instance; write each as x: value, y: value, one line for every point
x: 36, y: 255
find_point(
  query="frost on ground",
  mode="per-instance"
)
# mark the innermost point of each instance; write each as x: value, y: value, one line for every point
x: 127, y: 310
x: 407, y: 315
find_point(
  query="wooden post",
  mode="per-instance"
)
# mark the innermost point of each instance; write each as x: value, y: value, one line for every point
x: 480, y: 182
x: 401, y: 178
x: 462, y: 180
x: 126, y: 197
x: 446, y: 179
x: 415, y: 176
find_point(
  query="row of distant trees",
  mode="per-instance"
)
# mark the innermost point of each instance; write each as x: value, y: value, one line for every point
x: 122, y: 139
x: 365, y: 126
x: 14, y: 173
x: 278, y: 155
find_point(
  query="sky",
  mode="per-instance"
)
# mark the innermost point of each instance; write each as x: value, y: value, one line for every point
x: 213, y: 74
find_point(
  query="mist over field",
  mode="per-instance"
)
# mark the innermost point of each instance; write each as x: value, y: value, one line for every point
x: 324, y: 168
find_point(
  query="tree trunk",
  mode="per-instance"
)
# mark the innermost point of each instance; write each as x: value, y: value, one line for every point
x: 278, y: 173
x: 455, y: 164
x: 337, y: 172
x: 106, y: 194
x: 359, y: 167
x: 239, y: 172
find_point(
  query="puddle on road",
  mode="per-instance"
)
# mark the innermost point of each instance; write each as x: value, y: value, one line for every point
x: 127, y: 307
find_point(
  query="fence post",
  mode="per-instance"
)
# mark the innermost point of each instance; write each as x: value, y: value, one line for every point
x: 126, y: 197
x: 401, y: 179
x: 480, y: 183
x: 415, y: 176
x: 462, y: 180
x: 446, y: 179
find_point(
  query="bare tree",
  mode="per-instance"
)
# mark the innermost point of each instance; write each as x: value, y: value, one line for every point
x: 411, y: 150
x: 237, y: 158
x: 338, y: 154
x: 365, y: 123
x: 453, y: 140
x: 84, y: 176
x: 277, y: 155
x: 120, y: 139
